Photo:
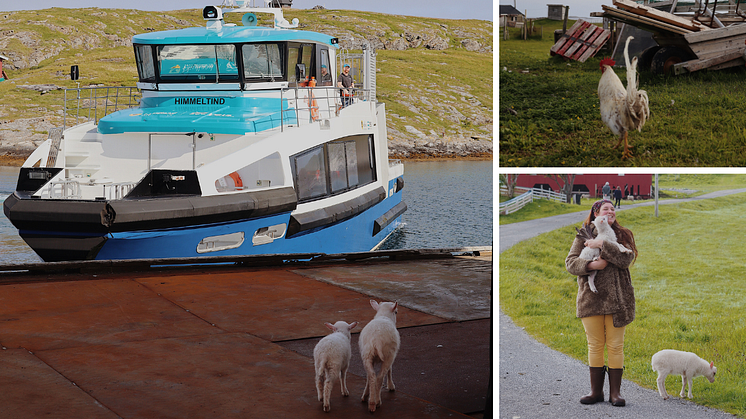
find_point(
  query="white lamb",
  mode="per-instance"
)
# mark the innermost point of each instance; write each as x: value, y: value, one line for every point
x: 331, y: 356
x: 605, y: 233
x: 379, y: 343
x: 687, y: 364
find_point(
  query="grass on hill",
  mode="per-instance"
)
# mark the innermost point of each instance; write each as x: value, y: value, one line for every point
x: 409, y: 81
x: 696, y: 119
x: 687, y: 286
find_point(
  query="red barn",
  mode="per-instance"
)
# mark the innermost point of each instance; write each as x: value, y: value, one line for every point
x: 637, y: 185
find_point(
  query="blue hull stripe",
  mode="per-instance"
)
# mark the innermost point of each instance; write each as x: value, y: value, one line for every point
x: 352, y: 235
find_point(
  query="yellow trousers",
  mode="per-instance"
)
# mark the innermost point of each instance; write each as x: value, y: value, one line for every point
x: 600, y: 332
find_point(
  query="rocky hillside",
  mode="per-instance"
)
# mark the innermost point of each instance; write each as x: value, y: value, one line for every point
x: 435, y: 75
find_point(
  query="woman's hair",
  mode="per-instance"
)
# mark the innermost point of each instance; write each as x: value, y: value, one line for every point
x: 624, y: 235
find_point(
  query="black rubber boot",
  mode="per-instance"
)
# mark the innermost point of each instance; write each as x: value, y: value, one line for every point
x: 615, y: 383
x: 597, y: 386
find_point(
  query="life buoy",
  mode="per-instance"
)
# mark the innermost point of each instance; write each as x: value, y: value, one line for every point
x: 236, y: 180
x: 312, y: 101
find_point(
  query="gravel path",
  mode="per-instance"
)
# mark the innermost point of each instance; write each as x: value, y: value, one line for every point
x: 539, y: 382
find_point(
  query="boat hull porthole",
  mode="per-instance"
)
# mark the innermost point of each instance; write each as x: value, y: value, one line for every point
x: 268, y: 234
x: 223, y: 242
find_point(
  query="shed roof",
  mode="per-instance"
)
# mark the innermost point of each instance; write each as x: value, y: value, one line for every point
x: 509, y: 10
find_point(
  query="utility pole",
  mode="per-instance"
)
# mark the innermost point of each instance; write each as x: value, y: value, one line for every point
x: 656, y: 195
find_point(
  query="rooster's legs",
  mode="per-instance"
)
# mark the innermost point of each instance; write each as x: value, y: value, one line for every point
x: 627, y: 153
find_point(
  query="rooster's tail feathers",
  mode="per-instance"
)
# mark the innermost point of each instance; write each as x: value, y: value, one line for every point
x: 631, y: 70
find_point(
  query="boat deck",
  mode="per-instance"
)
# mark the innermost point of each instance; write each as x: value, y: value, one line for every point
x: 236, y: 341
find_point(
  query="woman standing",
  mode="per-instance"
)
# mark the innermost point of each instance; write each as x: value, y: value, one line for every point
x: 605, y: 314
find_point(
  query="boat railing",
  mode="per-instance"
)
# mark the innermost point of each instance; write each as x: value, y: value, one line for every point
x: 300, y: 105
x: 92, y: 103
x: 64, y: 189
x: 72, y: 189
x: 306, y: 105
x: 118, y: 190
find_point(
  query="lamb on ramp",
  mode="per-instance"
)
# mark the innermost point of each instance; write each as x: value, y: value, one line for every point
x: 379, y: 343
x: 331, y: 357
x: 605, y: 233
x: 687, y: 364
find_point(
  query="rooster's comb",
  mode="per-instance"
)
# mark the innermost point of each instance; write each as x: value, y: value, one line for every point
x: 607, y: 61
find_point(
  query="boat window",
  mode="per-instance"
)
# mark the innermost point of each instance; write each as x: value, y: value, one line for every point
x: 300, y: 54
x: 306, y: 56
x: 349, y: 165
x: 338, y: 166
x: 261, y: 61
x: 293, y: 54
x: 325, y: 78
x: 197, y: 63
x: 310, y: 174
x: 145, y: 66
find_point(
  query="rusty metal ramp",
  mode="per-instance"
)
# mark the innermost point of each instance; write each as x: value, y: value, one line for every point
x: 235, y: 341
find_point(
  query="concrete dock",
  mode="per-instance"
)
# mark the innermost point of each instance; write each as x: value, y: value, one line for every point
x: 236, y: 340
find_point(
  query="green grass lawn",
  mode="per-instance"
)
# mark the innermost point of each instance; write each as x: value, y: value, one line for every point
x: 549, y: 113
x: 688, y: 286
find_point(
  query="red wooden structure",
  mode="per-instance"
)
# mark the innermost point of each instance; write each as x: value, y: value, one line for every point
x: 636, y: 184
x: 581, y: 42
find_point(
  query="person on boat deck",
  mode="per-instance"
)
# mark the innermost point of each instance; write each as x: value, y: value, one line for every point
x: 326, y: 77
x: 3, y: 76
x: 346, y: 85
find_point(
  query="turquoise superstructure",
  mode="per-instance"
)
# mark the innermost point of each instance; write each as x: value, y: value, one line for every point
x: 225, y: 113
x: 230, y: 34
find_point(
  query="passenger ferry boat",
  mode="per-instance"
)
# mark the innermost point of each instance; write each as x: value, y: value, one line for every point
x: 242, y: 144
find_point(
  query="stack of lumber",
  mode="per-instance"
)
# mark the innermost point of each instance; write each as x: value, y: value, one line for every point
x: 651, y: 19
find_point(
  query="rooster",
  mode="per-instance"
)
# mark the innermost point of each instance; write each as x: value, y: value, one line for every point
x: 622, y: 109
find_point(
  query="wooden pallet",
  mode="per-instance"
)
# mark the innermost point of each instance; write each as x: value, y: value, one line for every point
x: 581, y: 42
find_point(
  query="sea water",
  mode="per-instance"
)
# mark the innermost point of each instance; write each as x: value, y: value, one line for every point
x: 449, y: 206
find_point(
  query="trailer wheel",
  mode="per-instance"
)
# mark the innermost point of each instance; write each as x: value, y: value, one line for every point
x: 646, y: 58
x: 666, y: 57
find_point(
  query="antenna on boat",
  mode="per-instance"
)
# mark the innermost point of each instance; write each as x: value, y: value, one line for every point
x: 244, y: 6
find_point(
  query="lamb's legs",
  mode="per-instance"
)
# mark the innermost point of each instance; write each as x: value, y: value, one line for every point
x: 390, y: 384
x: 319, y: 385
x: 684, y: 381
x: 343, y: 379
x: 592, y: 281
x: 328, y: 384
x: 371, y: 384
x: 662, y: 385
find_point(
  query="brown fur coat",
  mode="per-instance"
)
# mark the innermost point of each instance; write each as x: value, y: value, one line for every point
x: 616, y: 296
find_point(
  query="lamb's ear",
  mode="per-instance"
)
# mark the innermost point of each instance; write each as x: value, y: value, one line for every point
x: 374, y: 304
x: 712, y: 364
x: 353, y: 325
x: 330, y: 327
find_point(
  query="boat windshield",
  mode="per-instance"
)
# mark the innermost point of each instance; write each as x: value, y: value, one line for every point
x: 261, y: 61
x: 183, y: 63
x: 197, y: 63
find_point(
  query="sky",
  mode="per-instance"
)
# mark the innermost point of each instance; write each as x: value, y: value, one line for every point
x: 536, y: 8
x: 446, y: 9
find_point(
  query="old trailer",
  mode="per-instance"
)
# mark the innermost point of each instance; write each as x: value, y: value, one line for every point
x: 693, y: 39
